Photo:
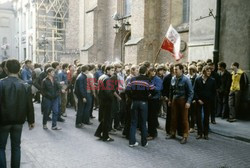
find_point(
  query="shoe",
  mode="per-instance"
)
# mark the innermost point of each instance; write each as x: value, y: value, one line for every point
x: 134, y: 145
x: 79, y: 125
x: 92, y: 117
x: 213, y: 122
x: 191, y: 130
x: 183, y: 141
x: 60, y: 119
x: 98, y: 136
x: 49, y: 119
x: 89, y: 123
x: 206, y: 137
x: 113, y: 132
x: 64, y: 114
x: 231, y: 120
x: 170, y: 137
x: 198, y: 136
x: 145, y: 145
x: 108, y: 140
x: 45, y: 127
x: 56, y: 128
x: 149, y: 138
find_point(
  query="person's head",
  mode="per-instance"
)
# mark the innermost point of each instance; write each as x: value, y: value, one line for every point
x: 151, y: 72
x: 91, y: 67
x: 85, y: 68
x: 109, y: 70
x: 28, y: 63
x: 192, y: 70
x: 71, y: 67
x: 76, y: 62
x: 103, y: 67
x: 235, y: 66
x: 118, y: 67
x: 222, y: 66
x: 12, y: 66
x: 160, y: 70
x: 50, y: 72
x: 99, y: 66
x: 46, y: 66
x: 171, y: 68
x: 65, y: 66
x: 146, y: 64
x: 209, y: 61
x: 199, y: 66
x: 55, y: 65
x: 206, y: 71
x: 134, y: 70
x: 178, y: 69
x: 211, y: 64
x: 143, y: 70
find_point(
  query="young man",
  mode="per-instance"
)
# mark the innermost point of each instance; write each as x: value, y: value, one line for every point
x: 16, y: 107
x: 26, y: 73
x: 205, y: 91
x: 106, y: 94
x: 180, y: 98
x: 139, y: 89
x: 51, y: 91
x: 239, y: 84
x: 81, y: 94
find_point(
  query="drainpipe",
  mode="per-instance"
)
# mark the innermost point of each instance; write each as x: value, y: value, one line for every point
x: 216, y: 51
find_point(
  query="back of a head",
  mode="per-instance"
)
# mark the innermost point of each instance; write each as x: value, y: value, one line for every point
x: 13, y: 66
x: 85, y: 68
x: 143, y: 70
x: 55, y: 64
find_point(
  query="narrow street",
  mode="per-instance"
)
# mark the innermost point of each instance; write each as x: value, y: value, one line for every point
x: 78, y: 148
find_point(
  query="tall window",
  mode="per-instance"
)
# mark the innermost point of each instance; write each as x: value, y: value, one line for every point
x: 185, y: 11
x: 128, y: 4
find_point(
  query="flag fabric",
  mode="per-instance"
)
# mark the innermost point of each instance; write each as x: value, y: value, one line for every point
x: 172, y: 43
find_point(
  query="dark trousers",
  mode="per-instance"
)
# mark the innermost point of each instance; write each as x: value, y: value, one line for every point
x: 100, y: 111
x: 168, y: 119
x: 179, y: 117
x: 213, y: 108
x: 115, y: 117
x: 126, y: 129
x: 15, y: 132
x: 122, y: 110
x: 223, y: 107
x: 48, y: 106
x: 80, y: 111
x: 154, y: 106
x: 192, y: 115
x: 87, y: 108
x: 138, y: 108
x: 234, y: 103
x: 203, y: 122
x: 104, y: 126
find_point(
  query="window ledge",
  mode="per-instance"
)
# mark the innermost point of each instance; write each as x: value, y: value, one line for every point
x: 184, y: 27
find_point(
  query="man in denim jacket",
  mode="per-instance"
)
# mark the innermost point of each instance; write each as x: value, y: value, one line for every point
x: 180, y: 98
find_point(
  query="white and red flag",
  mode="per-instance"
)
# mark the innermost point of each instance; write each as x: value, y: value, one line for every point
x: 172, y: 43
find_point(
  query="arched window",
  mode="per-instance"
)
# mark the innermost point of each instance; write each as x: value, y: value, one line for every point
x: 127, y: 10
x: 185, y: 11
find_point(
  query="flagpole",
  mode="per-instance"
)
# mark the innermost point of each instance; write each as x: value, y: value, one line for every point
x: 158, y: 52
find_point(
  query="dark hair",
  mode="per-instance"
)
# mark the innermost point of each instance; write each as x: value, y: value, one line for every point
x: 205, y: 68
x: 109, y: 67
x: 99, y: 66
x: 75, y: 61
x: 65, y: 65
x: 46, y: 66
x: 91, y: 67
x: 143, y: 69
x: 36, y: 65
x: 85, y: 68
x: 55, y: 64
x: 146, y: 64
x: 181, y: 67
x: 222, y: 64
x: 209, y: 61
x: 236, y: 64
x: 49, y: 70
x: 13, y: 66
x: 159, y: 68
x: 103, y: 67
x: 28, y: 61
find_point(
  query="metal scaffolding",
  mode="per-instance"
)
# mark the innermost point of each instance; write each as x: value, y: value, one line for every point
x: 51, y: 18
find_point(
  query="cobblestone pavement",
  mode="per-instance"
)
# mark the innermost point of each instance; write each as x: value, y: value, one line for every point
x: 78, y: 148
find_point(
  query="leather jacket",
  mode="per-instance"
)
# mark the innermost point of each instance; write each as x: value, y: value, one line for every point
x: 15, y: 101
x: 49, y: 90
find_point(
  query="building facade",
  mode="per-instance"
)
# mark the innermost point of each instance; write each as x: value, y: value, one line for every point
x: 140, y: 27
x: 8, y: 29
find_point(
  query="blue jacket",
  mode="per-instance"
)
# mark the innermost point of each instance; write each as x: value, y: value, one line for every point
x: 26, y: 75
x: 62, y: 76
x: 181, y: 88
x: 157, y: 82
x: 97, y: 74
x: 81, y: 86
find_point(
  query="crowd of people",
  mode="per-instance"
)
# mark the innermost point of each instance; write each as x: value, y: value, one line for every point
x: 128, y: 97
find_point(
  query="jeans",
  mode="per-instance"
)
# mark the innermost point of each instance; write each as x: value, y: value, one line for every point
x: 139, y: 108
x: 50, y: 105
x: 15, y: 132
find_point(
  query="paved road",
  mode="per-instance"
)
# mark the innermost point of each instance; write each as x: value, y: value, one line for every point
x: 78, y: 148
